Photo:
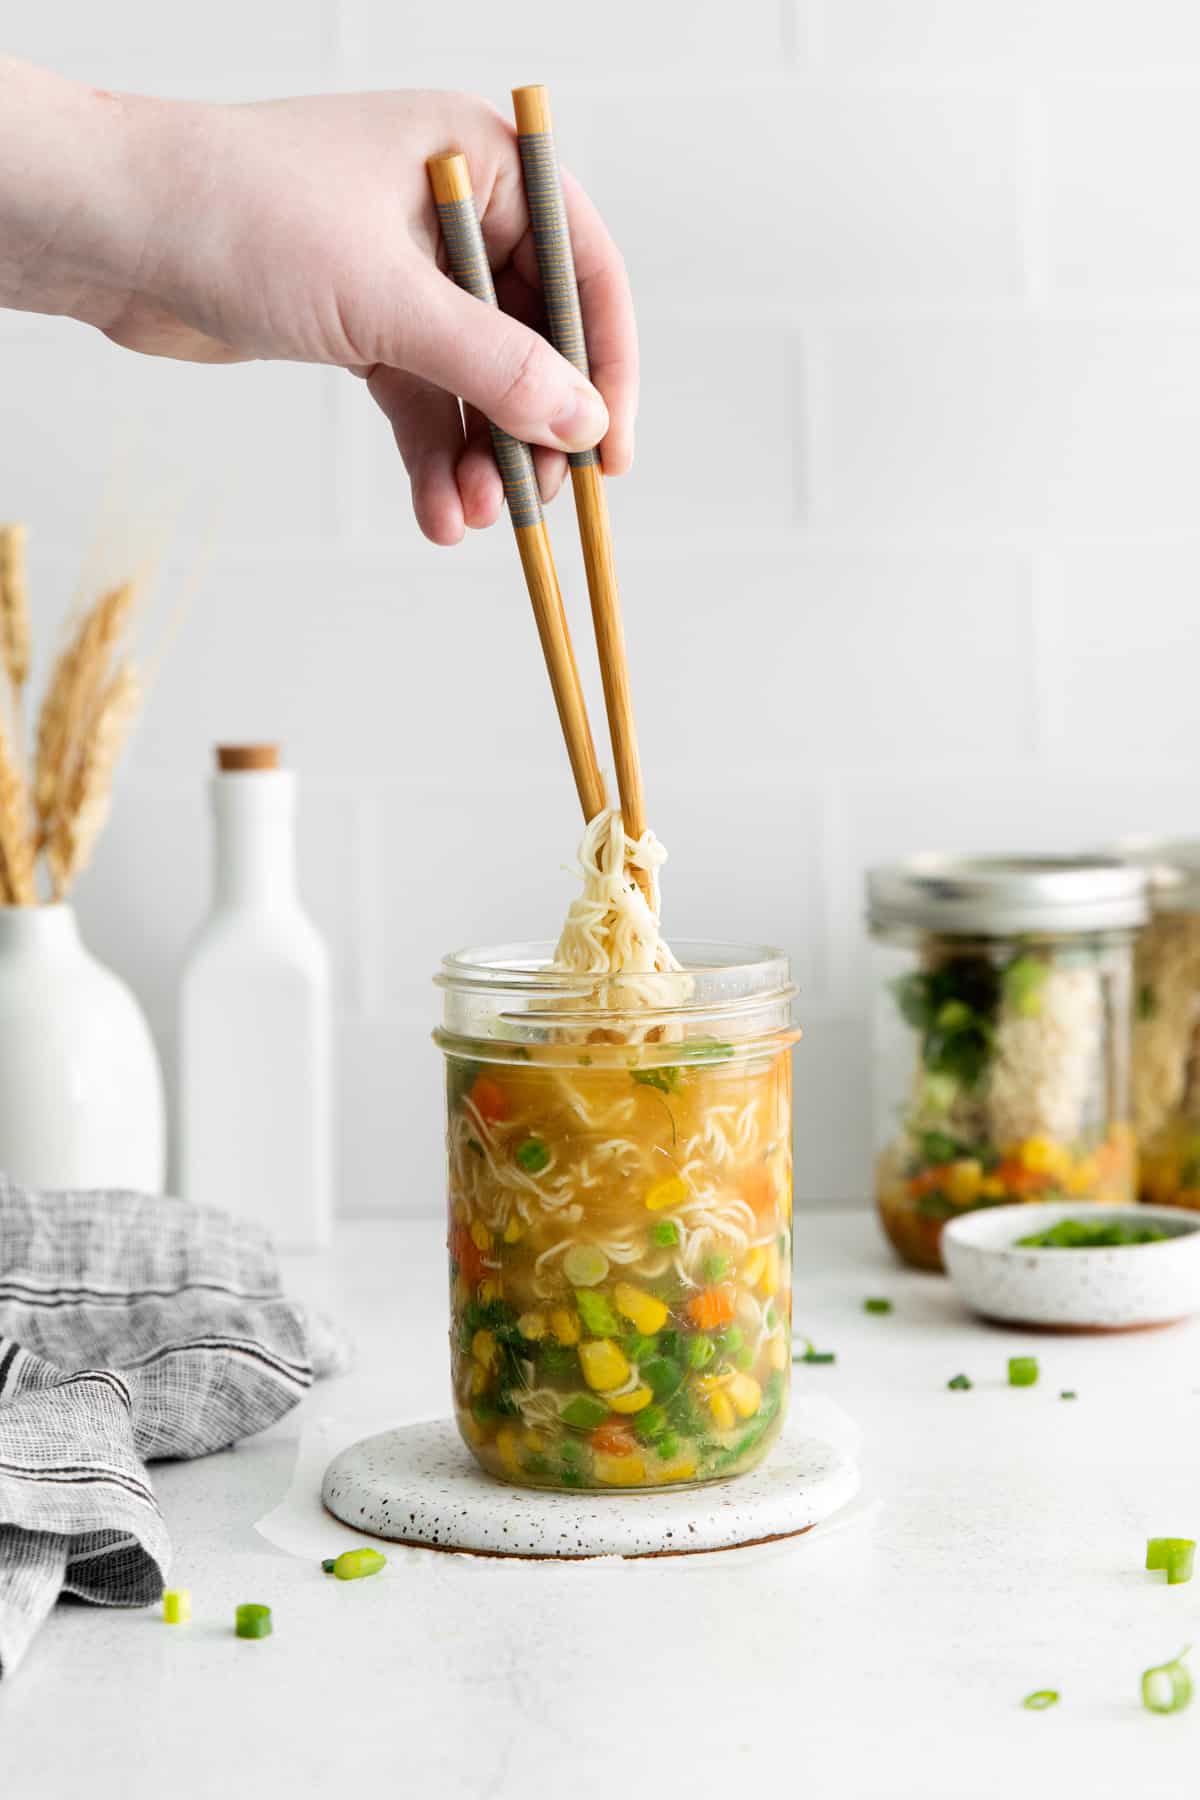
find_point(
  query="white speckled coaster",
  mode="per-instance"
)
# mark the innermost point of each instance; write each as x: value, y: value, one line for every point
x: 419, y: 1485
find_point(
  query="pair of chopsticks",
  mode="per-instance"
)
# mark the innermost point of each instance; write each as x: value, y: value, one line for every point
x: 452, y: 192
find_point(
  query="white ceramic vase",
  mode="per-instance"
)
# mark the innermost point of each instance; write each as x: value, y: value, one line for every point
x: 81, y: 1093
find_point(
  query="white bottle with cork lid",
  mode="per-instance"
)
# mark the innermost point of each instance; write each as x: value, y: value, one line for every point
x: 254, y: 1100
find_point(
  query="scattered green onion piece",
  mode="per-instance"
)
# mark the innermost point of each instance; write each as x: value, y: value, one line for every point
x: 877, y: 1306
x: 327, y: 1564
x: 959, y: 1383
x: 1175, y: 1556
x: 1022, y: 1371
x: 253, y: 1621
x: 1068, y: 1394
x: 714, y: 1267
x: 664, y: 1233
x: 583, y: 1412
x: 533, y: 1155
x: 810, y: 1355
x: 177, y: 1606
x: 1168, y: 1688
x: 698, y: 1351
x: 353, y: 1565
x: 1040, y: 1699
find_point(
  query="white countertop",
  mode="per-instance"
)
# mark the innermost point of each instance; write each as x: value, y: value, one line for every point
x: 885, y: 1659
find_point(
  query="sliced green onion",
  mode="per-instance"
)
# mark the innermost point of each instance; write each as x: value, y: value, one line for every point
x: 1168, y: 1688
x: 960, y: 1383
x: 533, y: 1155
x: 877, y: 1306
x: 177, y: 1606
x: 327, y: 1564
x: 1040, y: 1699
x: 1173, y: 1555
x: 664, y: 1233
x: 1068, y: 1394
x: 811, y: 1355
x: 253, y: 1621
x: 1022, y: 1371
x: 353, y: 1565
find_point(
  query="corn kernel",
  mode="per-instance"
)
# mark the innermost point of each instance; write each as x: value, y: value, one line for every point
x: 745, y: 1394
x: 721, y: 1408
x: 777, y: 1353
x: 536, y: 1442
x: 619, y: 1471
x: 603, y: 1364
x: 470, y: 1428
x: 680, y: 1468
x: 632, y: 1402
x: 754, y: 1265
x: 1084, y: 1176
x: 565, y: 1326
x: 532, y: 1325
x: 769, y: 1280
x: 481, y: 1237
x: 964, y: 1182
x: 673, y: 1191
x: 514, y: 1231
x: 992, y: 1188
x: 480, y: 1380
x: 506, y: 1447
x: 483, y: 1348
x: 489, y: 1291
x: 644, y: 1312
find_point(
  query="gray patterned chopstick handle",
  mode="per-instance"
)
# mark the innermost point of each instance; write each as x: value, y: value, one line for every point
x: 556, y: 263
x: 469, y: 264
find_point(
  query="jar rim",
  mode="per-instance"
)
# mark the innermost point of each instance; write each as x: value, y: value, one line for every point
x: 1171, y: 866
x: 498, y: 986
x: 997, y: 896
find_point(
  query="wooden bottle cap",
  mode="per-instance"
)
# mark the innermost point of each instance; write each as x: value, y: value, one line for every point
x: 232, y: 757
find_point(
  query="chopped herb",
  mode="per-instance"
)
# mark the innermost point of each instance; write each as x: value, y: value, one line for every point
x: 877, y: 1306
x: 1174, y: 1556
x: 665, y: 1079
x: 810, y: 1355
x: 1085, y: 1234
x: 1068, y: 1394
x: 1040, y: 1699
x: 533, y: 1155
x: 698, y: 1351
x: 1168, y: 1688
x: 937, y: 1148
x: 960, y: 1383
x: 664, y: 1233
x: 1022, y: 1371
x: 253, y: 1621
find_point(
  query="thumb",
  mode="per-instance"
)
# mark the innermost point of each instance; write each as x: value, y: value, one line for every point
x: 513, y: 376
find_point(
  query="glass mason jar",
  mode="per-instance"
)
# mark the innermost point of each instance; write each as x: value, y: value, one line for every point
x: 620, y: 1192
x: 1166, y: 1023
x: 1001, y: 1036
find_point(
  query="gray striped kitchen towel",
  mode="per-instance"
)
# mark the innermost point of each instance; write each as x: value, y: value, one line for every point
x: 131, y: 1327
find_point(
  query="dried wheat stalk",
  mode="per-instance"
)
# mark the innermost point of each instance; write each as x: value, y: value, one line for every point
x: 72, y: 698
x: 16, y: 837
x: 14, y: 605
x: 86, y: 799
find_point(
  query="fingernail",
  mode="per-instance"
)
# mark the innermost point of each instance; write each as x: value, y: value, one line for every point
x: 582, y: 421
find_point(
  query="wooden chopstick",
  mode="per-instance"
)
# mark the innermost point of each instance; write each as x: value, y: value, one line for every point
x: 548, y: 216
x: 450, y: 178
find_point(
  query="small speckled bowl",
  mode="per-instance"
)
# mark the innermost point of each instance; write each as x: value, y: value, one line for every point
x: 1126, y: 1287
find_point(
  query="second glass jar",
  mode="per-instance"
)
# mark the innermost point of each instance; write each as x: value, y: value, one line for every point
x: 1001, y: 1030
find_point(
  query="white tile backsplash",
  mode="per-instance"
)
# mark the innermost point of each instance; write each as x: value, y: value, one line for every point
x: 910, y: 551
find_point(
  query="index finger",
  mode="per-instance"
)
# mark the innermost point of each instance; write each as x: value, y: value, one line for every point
x: 609, y: 327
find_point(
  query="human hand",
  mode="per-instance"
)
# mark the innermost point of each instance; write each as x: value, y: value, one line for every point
x: 305, y: 230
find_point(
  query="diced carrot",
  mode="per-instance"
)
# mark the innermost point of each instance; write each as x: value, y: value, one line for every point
x: 612, y: 1439
x: 1019, y: 1180
x: 466, y: 1254
x: 489, y: 1099
x: 712, y: 1307
x: 757, y: 1188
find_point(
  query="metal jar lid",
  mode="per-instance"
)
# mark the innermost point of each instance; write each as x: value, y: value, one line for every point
x: 995, y: 896
x: 1171, y: 866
